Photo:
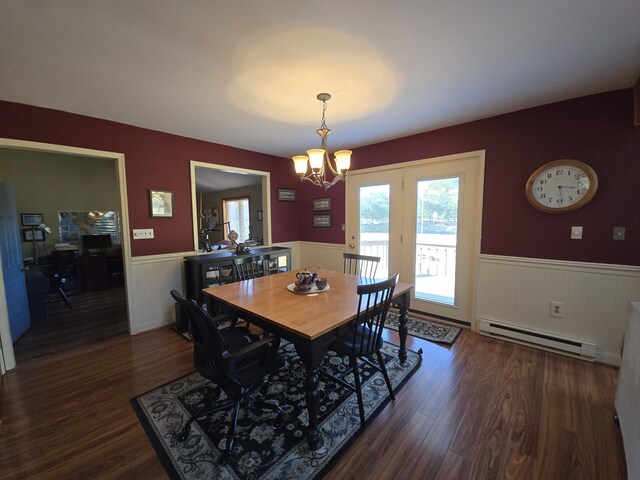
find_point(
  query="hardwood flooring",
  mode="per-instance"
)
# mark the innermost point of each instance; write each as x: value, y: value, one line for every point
x: 481, y: 409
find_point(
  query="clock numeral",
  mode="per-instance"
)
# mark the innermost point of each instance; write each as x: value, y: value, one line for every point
x: 559, y: 201
x: 559, y: 172
x: 540, y: 189
x: 543, y: 195
x: 571, y: 199
x: 543, y: 181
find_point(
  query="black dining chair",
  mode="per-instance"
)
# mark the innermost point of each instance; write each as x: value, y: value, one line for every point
x: 364, y: 337
x: 247, y: 268
x: 235, y: 360
x: 361, y: 265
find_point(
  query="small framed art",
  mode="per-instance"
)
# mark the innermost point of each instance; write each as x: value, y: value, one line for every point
x: 28, y: 234
x: 31, y: 219
x: 286, y: 195
x: 320, y: 204
x: 161, y: 203
x: 322, y: 221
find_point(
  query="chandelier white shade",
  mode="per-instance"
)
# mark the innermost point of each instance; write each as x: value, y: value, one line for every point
x: 317, y: 159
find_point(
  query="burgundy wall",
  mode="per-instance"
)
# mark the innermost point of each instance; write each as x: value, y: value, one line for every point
x: 153, y: 160
x: 597, y: 130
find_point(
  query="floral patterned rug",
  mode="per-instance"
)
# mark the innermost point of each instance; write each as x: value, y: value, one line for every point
x: 418, y: 327
x: 260, y: 452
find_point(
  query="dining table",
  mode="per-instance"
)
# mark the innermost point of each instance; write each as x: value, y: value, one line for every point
x: 309, y: 320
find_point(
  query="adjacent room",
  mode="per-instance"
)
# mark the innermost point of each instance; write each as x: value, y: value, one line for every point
x: 391, y: 239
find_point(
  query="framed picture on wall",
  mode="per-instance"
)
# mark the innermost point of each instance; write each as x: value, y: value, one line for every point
x: 31, y: 219
x: 323, y: 221
x: 286, y: 195
x: 161, y: 203
x: 28, y: 234
x: 320, y: 204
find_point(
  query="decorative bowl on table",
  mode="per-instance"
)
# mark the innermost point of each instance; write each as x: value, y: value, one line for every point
x: 321, y: 283
x: 302, y: 287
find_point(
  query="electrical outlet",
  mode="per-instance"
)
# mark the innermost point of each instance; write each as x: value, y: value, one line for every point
x: 618, y: 233
x: 557, y: 309
x: 576, y: 233
x: 142, y: 233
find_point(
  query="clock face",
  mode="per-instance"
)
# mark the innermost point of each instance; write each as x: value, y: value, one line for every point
x: 561, y: 186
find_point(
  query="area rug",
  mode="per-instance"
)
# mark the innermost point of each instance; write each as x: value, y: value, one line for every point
x: 260, y: 452
x: 418, y: 327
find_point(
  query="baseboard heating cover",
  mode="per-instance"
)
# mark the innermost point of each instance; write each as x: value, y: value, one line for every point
x: 547, y: 341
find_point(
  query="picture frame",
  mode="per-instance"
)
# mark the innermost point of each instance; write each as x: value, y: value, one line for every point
x: 286, y: 195
x: 161, y: 203
x: 320, y: 204
x: 28, y: 235
x: 31, y: 219
x: 322, y: 221
x: 259, y: 215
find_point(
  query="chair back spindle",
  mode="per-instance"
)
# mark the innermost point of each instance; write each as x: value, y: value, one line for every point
x: 361, y: 265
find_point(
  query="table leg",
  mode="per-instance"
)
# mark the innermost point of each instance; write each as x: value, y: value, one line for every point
x: 402, y: 330
x: 311, y: 356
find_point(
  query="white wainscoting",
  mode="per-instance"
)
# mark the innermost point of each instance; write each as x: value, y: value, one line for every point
x: 518, y: 291
x: 151, y: 278
x: 324, y: 255
x: 149, y: 281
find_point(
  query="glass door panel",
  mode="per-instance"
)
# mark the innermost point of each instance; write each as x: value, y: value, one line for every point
x: 374, y: 223
x: 436, y: 239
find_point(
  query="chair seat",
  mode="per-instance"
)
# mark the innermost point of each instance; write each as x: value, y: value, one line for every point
x: 344, y: 345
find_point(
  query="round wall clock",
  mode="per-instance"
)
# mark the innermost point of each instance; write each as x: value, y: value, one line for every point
x: 561, y: 186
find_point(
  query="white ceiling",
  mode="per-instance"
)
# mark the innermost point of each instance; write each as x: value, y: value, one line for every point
x: 246, y: 73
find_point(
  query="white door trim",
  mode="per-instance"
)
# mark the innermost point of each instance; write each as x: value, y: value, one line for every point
x: 9, y: 143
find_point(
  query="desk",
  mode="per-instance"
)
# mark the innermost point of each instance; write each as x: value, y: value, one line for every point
x: 310, y: 322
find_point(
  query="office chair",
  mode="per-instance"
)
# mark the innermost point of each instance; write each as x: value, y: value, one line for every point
x: 235, y: 360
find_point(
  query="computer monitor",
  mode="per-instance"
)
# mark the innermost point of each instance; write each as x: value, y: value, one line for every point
x: 96, y: 242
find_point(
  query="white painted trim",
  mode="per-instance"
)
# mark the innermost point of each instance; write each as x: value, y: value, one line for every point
x: 124, y: 218
x: 600, y: 268
x: 424, y: 161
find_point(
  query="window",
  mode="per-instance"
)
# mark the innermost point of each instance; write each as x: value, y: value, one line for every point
x: 236, y: 212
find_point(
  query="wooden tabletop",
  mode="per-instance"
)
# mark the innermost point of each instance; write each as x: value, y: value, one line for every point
x: 308, y: 316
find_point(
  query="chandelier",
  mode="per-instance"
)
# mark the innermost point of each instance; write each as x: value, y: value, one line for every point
x: 318, y: 158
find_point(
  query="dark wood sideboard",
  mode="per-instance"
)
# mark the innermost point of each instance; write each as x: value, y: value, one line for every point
x: 206, y: 270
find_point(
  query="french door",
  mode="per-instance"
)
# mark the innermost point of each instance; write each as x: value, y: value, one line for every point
x: 423, y: 220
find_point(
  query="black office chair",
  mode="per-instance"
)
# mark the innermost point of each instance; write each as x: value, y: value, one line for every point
x: 235, y: 360
x: 361, y: 265
x: 364, y: 339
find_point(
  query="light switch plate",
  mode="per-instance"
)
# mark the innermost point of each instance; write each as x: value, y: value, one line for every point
x: 142, y: 233
x: 576, y: 233
x: 618, y: 233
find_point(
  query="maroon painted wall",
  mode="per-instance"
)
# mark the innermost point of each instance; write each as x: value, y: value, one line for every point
x: 597, y: 130
x: 153, y: 160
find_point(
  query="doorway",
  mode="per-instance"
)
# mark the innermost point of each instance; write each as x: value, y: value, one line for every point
x: 423, y: 220
x: 7, y: 357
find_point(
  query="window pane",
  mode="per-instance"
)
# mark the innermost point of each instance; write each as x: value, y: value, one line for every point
x: 436, y: 239
x: 236, y: 212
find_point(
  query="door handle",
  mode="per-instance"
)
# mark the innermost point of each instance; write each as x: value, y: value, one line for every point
x: 351, y: 245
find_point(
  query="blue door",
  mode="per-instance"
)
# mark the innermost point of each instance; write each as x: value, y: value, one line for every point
x: 12, y: 265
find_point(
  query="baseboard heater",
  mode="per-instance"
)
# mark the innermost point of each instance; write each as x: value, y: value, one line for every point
x: 547, y: 341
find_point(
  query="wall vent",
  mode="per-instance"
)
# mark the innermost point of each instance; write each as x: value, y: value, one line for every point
x: 533, y: 338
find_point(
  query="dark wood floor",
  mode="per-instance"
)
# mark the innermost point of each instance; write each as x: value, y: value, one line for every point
x: 482, y: 409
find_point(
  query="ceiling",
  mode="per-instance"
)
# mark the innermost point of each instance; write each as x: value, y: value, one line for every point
x: 246, y: 73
